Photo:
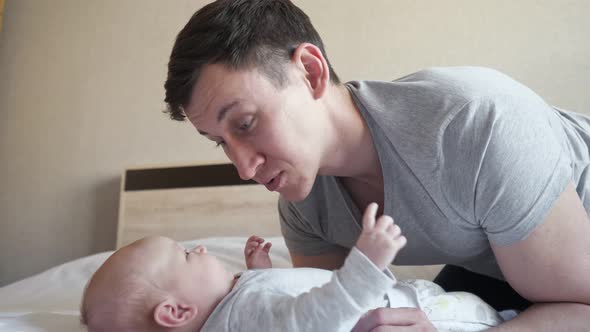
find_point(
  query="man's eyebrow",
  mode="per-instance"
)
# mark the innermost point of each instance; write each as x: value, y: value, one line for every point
x: 221, y: 114
x: 223, y: 111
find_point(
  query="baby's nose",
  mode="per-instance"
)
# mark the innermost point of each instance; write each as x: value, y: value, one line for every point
x: 200, y: 249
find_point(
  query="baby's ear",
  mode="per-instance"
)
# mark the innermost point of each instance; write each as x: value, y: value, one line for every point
x: 171, y: 313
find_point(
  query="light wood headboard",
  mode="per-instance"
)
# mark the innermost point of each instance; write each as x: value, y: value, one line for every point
x: 189, y: 202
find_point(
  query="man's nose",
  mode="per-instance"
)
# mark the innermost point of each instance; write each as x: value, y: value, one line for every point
x: 246, y: 160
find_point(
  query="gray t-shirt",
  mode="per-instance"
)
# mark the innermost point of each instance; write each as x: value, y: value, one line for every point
x: 469, y: 156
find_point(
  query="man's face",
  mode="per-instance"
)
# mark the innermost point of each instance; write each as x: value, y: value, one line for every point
x: 271, y: 135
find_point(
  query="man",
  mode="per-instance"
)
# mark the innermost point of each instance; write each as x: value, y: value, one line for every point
x: 479, y: 172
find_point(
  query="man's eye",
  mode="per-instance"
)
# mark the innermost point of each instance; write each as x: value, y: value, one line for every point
x: 246, y: 124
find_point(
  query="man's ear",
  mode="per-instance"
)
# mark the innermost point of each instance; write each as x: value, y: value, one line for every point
x: 171, y: 313
x: 311, y: 61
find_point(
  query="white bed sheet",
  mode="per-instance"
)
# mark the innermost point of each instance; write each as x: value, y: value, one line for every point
x: 50, y: 301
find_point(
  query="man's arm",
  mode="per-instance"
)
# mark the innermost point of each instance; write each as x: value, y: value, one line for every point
x: 552, y: 267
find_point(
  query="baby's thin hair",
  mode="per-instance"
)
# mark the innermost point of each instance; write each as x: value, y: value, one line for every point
x: 129, y: 309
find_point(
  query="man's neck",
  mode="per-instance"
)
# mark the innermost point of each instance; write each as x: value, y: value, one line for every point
x: 350, y: 151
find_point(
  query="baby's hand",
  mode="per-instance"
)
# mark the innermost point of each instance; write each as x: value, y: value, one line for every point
x: 257, y: 254
x: 380, y: 240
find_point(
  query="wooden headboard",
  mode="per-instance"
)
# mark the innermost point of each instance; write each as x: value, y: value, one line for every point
x: 190, y: 202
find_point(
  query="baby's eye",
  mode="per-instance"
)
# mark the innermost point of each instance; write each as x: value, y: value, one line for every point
x: 220, y: 143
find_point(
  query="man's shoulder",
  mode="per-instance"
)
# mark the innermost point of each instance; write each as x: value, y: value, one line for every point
x: 460, y: 76
x: 458, y: 73
x: 428, y: 100
x: 462, y: 84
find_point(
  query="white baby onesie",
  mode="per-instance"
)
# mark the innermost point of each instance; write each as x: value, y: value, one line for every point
x: 306, y: 299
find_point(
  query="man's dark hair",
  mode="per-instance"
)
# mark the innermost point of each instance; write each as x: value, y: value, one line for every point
x: 240, y: 34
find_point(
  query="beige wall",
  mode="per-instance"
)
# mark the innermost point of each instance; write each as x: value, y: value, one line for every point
x: 1, y: 13
x: 81, y: 93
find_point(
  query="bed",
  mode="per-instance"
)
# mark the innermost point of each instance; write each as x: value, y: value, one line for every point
x: 205, y: 204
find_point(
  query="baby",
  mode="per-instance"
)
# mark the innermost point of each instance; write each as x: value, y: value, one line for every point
x: 154, y: 284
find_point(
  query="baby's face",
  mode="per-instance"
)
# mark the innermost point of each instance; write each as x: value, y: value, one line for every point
x: 192, y: 273
x: 190, y: 278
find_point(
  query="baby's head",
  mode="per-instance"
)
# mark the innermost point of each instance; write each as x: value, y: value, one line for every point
x: 154, y: 284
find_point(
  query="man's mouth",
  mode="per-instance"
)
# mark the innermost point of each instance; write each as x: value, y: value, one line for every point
x: 276, y: 182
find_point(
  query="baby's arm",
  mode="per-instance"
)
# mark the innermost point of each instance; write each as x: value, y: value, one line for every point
x: 381, y: 239
x: 353, y: 290
x: 256, y: 253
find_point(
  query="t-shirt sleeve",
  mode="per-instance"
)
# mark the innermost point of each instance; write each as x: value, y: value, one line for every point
x: 301, y: 236
x: 504, y: 165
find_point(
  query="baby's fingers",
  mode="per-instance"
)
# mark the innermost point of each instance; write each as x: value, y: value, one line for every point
x: 369, y: 216
x: 394, y: 230
x: 383, y: 223
x: 251, y: 245
x: 249, y: 250
x: 266, y: 247
x: 255, y: 238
